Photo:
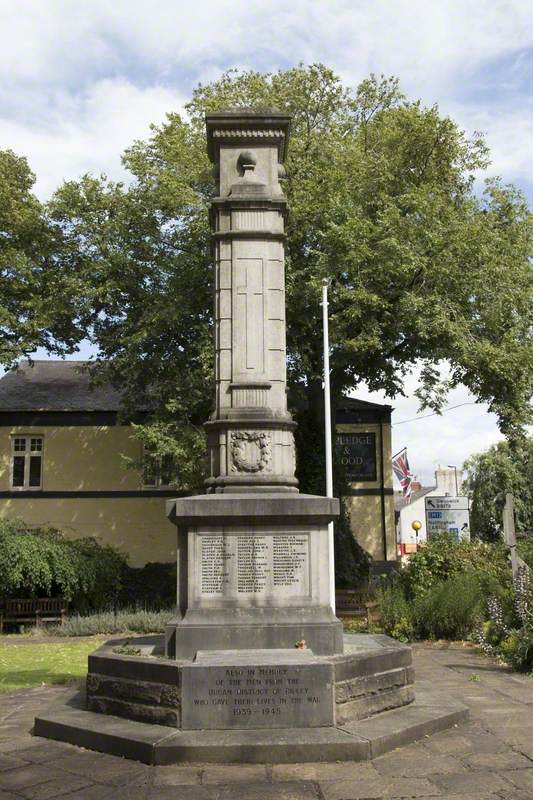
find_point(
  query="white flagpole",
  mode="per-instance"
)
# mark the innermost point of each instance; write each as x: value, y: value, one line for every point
x: 327, y: 431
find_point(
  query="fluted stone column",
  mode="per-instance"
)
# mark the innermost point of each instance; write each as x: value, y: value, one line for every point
x: 250, y: 433
x: 253, y: 556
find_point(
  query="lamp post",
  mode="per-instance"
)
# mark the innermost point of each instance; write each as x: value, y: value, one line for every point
x: 453, y: 466
x: 327, y: 433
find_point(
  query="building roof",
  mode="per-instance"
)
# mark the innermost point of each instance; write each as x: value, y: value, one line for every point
x: 352, y: 410
x: 353, y: 403
x: 55, y: 386
x: 400, y: 501
x: 66, y: 386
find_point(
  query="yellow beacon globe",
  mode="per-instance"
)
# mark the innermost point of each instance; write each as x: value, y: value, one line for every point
x: 416, y: 524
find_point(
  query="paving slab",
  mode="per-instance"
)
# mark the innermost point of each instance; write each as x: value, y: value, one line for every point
x: 416, y: 761
x: 380, y: 788
x: 176, y: 775
x: 347, y: 770
x: 522, y: 778
x: 28, y: 775
x: 488, y: 759
x: 302, y: 790
x: 10, y: 762
x: 234, y: 773
x: 471, y: 782
x: 507, y: 760
x: 66, y: 785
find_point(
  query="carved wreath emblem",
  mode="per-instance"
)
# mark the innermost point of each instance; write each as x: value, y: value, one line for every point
x: 251, y: 451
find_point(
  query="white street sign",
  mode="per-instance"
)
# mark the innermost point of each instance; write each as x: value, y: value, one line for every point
x: 434, y: 503
x: 448, y: 515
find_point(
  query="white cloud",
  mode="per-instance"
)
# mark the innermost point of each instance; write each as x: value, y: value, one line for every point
x: 47, y: 39
x: 510, y: 138
x: 85, y: 79
x: 88, y: 132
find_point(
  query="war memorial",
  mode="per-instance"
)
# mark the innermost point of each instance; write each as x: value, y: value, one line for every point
x: 254, y: 667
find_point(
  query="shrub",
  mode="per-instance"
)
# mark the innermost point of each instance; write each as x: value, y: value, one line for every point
x: 517, y: 649
x: 108, y: 623
x: 395, y: 612
x: 509, y: 632
x: 150, y: 587
x: 450, y: 610
x: 42, y: 562
x: 524, y: 547
x: 443, y: 558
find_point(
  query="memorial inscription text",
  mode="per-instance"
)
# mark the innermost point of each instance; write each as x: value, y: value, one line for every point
x: 251, y: 564
x: 257, y: 696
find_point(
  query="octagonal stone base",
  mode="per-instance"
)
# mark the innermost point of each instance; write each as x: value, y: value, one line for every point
x: 134, y: 706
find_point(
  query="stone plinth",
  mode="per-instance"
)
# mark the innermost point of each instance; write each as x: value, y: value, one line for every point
x: 252, y: 575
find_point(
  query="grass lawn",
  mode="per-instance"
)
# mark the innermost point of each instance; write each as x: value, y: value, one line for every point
x: 25, y: 666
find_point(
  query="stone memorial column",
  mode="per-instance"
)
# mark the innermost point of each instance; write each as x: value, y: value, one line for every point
x: 250, y: 433
x: 253, y: 559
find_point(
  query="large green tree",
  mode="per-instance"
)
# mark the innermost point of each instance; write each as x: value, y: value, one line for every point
x: 36, y: 308
x: 382, y: 202
x: 504, y: 467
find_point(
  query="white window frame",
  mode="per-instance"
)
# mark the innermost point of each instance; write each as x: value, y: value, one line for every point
x: 33, y: 446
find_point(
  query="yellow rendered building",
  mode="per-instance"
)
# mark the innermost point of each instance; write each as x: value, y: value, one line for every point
x: 63, y: 463
x: 363, y: 448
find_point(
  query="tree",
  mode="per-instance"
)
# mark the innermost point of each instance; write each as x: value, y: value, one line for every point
x: 504, y: 467
x: 382, y: 202
x: 35, y: 295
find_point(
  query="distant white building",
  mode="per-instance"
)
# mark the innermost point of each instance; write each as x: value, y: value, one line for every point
x: 449, y: 482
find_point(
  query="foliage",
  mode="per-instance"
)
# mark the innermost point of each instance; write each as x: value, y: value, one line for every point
x: 107, y: 622
x: 451, y: 610
x: 504, y: 467
x: 395, y: 612
x: 509, y: 631
x: 442, y: 591
x: 42, y: 562
x: 382, y: 203
x: 443, y: 558
x: 25, y: 666
x: 524, y: 548
x: 355, y: 625
x: 127, y: 650
x: 37, y: 297
x: 150, y: 587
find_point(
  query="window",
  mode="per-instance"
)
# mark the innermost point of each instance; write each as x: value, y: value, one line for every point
x: 158, y: 471
x: 27, y: 462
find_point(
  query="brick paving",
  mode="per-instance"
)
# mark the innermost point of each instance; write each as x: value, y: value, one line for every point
x: 489, y: 758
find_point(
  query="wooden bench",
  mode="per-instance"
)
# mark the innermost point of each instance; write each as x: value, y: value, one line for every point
x: 36, y: 610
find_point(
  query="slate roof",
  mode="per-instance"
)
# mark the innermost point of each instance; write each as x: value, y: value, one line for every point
x: 55, y: 386
x: 362, y: 405
x: 400, y: 502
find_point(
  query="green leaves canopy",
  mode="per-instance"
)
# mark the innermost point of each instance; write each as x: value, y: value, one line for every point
x: 504, y: 467
x: 382, y: 202
x: 36, y: 294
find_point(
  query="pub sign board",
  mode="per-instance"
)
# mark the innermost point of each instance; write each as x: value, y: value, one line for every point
x: 356, y: 453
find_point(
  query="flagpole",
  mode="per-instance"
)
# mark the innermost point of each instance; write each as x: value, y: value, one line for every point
x: 327, y: 433
x: 399, y: 451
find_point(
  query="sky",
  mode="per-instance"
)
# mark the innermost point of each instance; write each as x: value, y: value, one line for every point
x: 82, y: 80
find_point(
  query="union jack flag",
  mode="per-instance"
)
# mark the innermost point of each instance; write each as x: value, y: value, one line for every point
x: 400, y: 465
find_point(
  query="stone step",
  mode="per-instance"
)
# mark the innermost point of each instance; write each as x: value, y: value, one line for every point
x: 361, y: 740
